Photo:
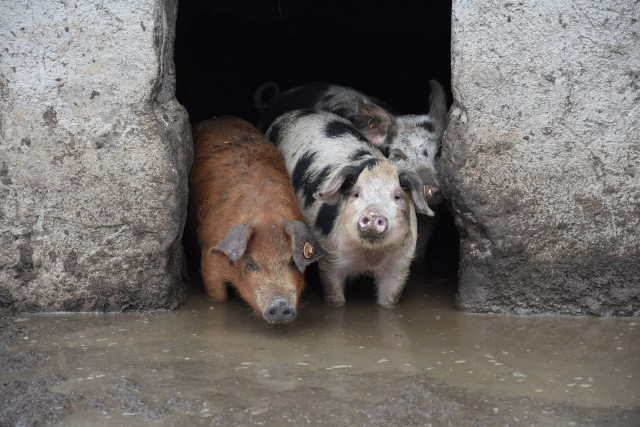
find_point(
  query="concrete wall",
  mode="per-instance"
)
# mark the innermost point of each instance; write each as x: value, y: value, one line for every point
x: 542, y: 156
x: 94, y: 154
x: 541, y: 160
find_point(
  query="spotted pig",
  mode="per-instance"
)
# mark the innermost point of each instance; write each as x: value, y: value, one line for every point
x: 358, y: 206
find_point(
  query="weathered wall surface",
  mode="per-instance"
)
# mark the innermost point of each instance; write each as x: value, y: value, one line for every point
x: 542, y: 156
x: 94, y: 154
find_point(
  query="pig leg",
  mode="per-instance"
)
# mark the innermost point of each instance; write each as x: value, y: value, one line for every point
x: 213, y: 278
x: 333, y: 281
x: 390, y: 282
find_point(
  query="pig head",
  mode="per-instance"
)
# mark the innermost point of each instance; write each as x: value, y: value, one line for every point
x: 413, y: 142
x: 265, y: 265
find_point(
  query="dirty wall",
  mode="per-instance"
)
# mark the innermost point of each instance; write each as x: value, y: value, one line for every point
x: 94, y: 153
x: 541, y: 158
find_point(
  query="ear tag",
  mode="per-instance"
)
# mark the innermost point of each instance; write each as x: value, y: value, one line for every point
x: 308, y: 250
x: 428, y: 191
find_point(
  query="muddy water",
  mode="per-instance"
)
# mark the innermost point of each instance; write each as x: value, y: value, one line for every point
x: 421, y: 363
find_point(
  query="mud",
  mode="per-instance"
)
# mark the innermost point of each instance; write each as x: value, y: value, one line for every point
x: 421, y: 363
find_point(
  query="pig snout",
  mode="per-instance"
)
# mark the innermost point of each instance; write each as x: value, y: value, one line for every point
x: 279, y: 310
x: 432, y: 194
x: 372, y: 225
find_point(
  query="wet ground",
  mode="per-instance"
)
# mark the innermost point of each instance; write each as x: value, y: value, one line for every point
x: 421, y: 363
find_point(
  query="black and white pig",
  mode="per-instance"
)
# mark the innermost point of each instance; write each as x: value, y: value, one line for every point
x: 360, y: 209
x: 410, y: 141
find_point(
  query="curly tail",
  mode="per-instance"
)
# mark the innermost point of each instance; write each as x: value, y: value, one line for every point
x: 260, y: 101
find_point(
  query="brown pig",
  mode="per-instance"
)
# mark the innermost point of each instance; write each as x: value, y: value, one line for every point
x: 250, y: 228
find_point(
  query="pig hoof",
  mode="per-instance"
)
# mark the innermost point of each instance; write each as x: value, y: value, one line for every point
x: 388, y: 304
x: 279, y: 311
x: 335, y: 302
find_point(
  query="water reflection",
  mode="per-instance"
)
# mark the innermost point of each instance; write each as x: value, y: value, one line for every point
x: 210, y: 354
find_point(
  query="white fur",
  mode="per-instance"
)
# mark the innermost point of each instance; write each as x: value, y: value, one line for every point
x: 348, y: 255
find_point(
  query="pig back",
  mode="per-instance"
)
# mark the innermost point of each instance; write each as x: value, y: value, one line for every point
x: 237, y: 177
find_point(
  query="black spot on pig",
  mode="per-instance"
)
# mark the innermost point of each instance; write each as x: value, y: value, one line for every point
x: 310, y: 186
x: 369, y: 163
x: 409, y: 181
x: 342, y: 112
x: 351, y: 177
x: 428, y: 126
x: 337, y: 129
x: 301, y: 168
x: 359, y: 155
x: 326, y: 219
x: 274, y: 134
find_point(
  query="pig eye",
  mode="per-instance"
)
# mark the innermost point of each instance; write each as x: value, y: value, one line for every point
x: 355, y: 193
x: 251, y: 265
x: 396, y: 155
x: 425, y: 153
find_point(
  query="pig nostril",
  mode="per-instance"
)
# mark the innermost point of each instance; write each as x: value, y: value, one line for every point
x: 279, y: 310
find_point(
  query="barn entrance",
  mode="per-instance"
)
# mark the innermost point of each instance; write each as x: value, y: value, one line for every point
x: 224, y: 50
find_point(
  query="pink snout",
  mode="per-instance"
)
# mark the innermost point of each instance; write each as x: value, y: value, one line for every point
x: 372, y: 225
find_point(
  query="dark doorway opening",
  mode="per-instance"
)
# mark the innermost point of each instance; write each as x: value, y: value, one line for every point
x: 224, y: 50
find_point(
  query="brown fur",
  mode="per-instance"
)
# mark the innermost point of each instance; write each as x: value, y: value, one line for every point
x: 239, y: 177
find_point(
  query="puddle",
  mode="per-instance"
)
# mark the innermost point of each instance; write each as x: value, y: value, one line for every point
x: 419, y: 363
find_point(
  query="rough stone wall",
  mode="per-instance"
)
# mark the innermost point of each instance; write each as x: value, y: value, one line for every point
x: 542, y: 156
x: 94, y: 154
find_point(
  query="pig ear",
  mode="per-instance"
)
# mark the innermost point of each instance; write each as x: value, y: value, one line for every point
x: 373, y: 122
x: 330, y: 193
x: 438, y: 106
x: 306, y: 250
x: 409, y: 181
x: 234, y: 244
